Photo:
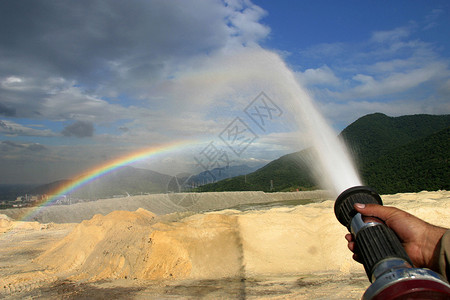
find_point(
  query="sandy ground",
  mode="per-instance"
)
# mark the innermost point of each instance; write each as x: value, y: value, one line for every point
x: 265, y: 251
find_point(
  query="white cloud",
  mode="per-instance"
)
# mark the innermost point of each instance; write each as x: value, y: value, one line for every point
x: 10, y: 128
x: 394, y: 82
x: 245, y: 26
x: 389, y: 36
x: 11, y: 81
x: 432, y: 17
x: 393, y: 65
x: 72, y: 103
x: 320, y: 76
x: 282, y: 142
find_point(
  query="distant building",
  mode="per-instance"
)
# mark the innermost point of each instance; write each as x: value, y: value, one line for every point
x: 35, y: 198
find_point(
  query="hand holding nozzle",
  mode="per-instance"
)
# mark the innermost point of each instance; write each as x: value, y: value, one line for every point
x: 393, y: 246
x: 420, y: 239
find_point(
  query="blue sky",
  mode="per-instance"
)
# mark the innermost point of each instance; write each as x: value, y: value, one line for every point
x: 350, y: 21
x: 82, y: 83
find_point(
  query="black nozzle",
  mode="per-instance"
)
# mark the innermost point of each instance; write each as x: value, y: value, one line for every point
x: 374, y: 241
x: 343, y: 207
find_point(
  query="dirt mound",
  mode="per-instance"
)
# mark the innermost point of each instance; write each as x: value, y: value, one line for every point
x: 5, y: 223
x: 126, y: 244
x: 228, y: 243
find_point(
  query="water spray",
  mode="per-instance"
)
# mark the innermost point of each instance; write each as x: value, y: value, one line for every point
x: 386, y: 262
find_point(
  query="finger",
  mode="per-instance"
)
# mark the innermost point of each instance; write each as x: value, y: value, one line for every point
x: 349, y: 237
x: 357, y: 258
x: 351, y: 242
x: 351, y: 246
x: 375, y: 210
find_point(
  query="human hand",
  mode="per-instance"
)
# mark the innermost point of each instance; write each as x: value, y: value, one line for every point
x: 420, y: 239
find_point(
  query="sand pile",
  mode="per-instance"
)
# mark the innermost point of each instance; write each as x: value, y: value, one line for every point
x: 103, y: 247
x: 292, y: 241
x: 5, y: 223
x: 219, y: 244
x: 433, y: 207
x: 126, y: 244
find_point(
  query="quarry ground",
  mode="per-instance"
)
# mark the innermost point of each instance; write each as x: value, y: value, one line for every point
x: 289, y: 251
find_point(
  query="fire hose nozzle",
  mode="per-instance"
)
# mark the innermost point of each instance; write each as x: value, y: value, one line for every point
x: 385, y: 261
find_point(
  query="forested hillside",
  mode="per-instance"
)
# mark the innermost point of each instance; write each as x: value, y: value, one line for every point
x: 419, y: 165
x: 393, y: 154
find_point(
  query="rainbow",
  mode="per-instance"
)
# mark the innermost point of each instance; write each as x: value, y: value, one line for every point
x: 103, y: 169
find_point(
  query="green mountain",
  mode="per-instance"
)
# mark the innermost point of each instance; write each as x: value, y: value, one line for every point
x: 419, y: 165
x: 376, y: 134
x: 394, y: 154
x: 286, y: 173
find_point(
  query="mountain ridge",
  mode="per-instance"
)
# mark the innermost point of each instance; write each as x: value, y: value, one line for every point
x: 369, y: 139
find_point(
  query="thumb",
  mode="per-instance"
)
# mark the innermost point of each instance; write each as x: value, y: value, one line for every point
x: 375, y: 210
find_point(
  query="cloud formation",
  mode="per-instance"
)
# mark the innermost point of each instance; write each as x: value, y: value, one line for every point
x: 105, y: 62
x: 10, y: 128
x: 84, y: 51
x: 34, y: 147
x: 79, y: 129
x: 114, y: 68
